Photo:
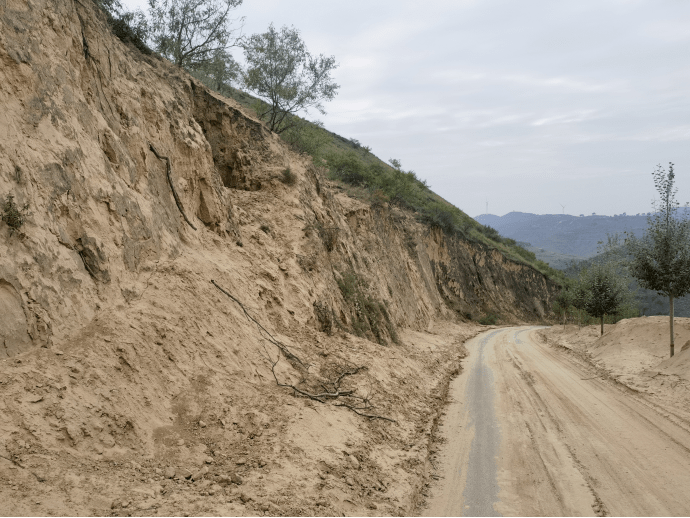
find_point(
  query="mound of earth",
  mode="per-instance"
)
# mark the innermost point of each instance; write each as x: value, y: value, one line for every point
x: 634, y: 354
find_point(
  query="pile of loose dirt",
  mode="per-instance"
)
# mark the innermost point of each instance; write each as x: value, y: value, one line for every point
x: 632, y: 346
x: 635, y: 354
x: 94, y: 431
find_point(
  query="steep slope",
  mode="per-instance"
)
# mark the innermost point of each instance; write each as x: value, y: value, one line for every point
x: 125, y: 369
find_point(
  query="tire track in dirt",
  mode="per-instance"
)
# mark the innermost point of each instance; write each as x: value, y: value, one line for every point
x: 568, y: 445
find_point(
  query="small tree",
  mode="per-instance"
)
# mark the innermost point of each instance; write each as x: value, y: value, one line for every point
x: 219, y: 73
x: 563, y: 302
x: 306, y: 137
x: 281, y: 72
x: 661, y: 258
x: 602, y: 291
x: 579, y: 296
x: 190, y: 33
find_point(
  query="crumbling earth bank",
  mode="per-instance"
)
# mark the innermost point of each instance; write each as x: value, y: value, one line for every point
x: 129, y: 383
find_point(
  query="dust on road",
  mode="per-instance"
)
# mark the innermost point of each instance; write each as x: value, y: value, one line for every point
x: 531, y: 432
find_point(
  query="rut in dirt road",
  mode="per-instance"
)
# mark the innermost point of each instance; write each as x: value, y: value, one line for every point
x: 481, y: 488
x: 531, y: 432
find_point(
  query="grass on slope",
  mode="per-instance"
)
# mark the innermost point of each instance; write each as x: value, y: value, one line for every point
x: 365, y: 176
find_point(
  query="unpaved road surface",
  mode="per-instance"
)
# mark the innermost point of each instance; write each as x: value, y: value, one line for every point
x: 531, y: 430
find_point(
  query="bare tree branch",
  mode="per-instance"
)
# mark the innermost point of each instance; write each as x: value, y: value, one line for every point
x: 335, y: 393
x: 288, y: 354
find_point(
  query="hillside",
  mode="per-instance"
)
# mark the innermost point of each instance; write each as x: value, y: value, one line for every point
x: 563, y: 233
x: 189, y: 328
x: 364, y: 176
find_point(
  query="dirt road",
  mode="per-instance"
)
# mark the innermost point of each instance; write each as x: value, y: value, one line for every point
x: 532, y: 431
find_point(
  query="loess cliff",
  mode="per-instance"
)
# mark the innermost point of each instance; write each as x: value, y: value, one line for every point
x: 132, y: 383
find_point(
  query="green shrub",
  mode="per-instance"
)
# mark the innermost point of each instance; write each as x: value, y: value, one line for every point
x: 288, y: 177
x: 306, y: 137
x: 328, y: 235
x: 348, y: 168
x: 349, y: 285
x: 370, y: 315
x: 437, y: 215
x: 525, y: 254
x: 490, y: 232
x: 13, y: 215
x: 129, y: 26
x: 488, y: 320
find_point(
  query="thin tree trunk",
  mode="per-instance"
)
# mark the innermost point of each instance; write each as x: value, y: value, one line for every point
x: 670, y: 316
x: 602, y: 325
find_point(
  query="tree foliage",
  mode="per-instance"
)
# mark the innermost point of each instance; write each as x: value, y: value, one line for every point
x: 219, y: 73
x: 660, y: 260
x: 306, y: 137
x: 191, y: 33
x: 286, y: 76
x: 563, y: 302
x: 603, y: 288
x: 129, y: 26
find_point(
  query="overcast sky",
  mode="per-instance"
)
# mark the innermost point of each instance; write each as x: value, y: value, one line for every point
x: 530, y: 105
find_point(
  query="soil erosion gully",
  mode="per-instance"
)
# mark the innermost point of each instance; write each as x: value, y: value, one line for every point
x: 530, y: 432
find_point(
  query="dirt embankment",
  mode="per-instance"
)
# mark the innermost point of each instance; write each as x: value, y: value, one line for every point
x: 129, y: 380
x: 635, y: 353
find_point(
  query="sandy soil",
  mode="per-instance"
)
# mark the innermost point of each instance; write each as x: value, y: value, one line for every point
x: 251, y: 449
x: 573, y: 439
x: 635, y: 354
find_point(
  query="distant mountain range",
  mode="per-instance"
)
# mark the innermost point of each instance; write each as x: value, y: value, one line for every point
x: 561, y: 239
x: 562, y: 233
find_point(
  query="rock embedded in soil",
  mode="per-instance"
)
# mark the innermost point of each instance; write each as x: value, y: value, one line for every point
x: 169, y: 472
x: 185, y: 474
x: 353, y: 461
x: 236, y: 479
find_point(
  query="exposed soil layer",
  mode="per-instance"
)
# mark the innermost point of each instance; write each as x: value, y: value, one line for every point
x: 165, y: 268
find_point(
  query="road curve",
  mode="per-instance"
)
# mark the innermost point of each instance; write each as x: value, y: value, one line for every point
x: 531, y: 432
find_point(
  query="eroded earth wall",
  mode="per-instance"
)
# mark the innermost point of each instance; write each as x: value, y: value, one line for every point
x: 113, y: 337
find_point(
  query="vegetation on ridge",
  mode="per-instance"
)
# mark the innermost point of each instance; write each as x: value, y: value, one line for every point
x: 288, y: 79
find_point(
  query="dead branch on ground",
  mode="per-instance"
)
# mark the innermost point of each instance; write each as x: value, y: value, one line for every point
x: 281, y: 346
x: 334, y: 391
x: 370, y: 416
x: 168, y: 171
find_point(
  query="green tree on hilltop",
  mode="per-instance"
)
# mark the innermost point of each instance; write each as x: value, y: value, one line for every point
x: 190, y: 33
x: 283, y: 74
